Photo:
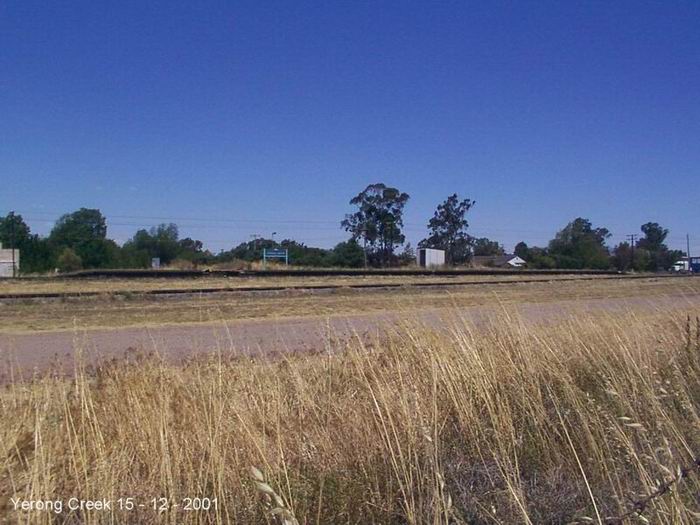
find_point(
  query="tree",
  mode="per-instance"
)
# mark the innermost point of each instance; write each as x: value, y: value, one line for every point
x: 130, y: 256
x: 484, y: 246
x: 160, y: 241
x: 69, y: 261
x: 522, y: 251
x: 13, y: 231
x: 165, y: 242
x: 378, y: 220
x: 251, y: 250
x: 539, y: 258
x: 85, y: 232
x: 408, y: 256
x: 535, y: 256
x: 622, y: 257
x: 348, y: 254
x: 299, y: 253
x: 542, y: 260
x: 78, y: 227
x: 579, y: 245
x: 625, y: 257
x: 193, y: 250
x: 659, y: 256
x: 35, y: 253
x: 303, y: 255
x: 654, y: 237
x: 448, y: 230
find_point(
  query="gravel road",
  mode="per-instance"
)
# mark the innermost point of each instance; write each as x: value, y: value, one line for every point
x: 26, y: 353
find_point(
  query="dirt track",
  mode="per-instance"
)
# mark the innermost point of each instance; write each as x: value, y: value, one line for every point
x: 36, y: 352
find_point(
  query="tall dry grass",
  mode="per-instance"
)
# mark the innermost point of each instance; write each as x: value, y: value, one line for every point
x: 587, y: 420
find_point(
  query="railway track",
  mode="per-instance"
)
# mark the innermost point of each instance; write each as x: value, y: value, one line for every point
x: 320, y: 287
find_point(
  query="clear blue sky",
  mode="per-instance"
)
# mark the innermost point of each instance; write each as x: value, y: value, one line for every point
x: 247, y: 116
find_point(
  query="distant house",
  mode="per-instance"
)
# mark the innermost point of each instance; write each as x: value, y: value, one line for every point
x: 6, y: 261
x: 498, y: 261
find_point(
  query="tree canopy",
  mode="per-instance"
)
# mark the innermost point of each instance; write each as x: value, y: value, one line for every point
x: 81, y: 226
x: 79, y: 240
x: 348, y: 254
x: 378, y: 221
x: 448, y: 230
x: 85, y: 232
x: 579, y: 245
x: 13, y: 230
x: 650, y: 253
x: 484, y: 246
x: 36, y: 255
x: 522, y: 250
x: 163, y: 242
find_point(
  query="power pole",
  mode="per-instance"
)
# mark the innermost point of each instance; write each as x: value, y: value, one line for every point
x: 12, y: 241
x: 364, y: 243
x: 687, y: 248
x: 364, y: 249
x: 633, y: 240
x: 391, y: 243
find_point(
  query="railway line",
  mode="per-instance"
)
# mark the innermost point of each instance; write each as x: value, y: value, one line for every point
x: 537, y: 278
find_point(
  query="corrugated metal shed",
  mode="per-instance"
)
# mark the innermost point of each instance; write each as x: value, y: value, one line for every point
x: 430, y: 257
x: 6, y: 262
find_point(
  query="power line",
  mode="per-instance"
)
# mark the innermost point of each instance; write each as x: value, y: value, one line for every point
x: 12, y: 226
x: 409, y: 227
x: 406, y: 225
x: 304, y: 225
x: 191, y: 219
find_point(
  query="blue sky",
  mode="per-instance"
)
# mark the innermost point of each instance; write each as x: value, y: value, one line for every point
x: 240, y: 118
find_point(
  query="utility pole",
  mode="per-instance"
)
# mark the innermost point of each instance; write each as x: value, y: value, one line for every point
x: 364, y: 249
x: 633, y: 240
x: 687, y: 248
x: 364, y: 243
x: 12, y: 241
x: 391, y: 243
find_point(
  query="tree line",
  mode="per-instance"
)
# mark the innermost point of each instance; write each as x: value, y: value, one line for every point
x: 378, y: 221
x: 79, y: 240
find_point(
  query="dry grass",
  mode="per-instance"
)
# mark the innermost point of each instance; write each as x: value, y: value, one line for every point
x: 113, y: 311
x: 512, y: 422
x: 135, y: 285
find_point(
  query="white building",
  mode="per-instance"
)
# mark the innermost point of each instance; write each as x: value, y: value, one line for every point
x: 6, y: 260
x: 681, y: 265
x: 687, y: 264
x: 428, y: 257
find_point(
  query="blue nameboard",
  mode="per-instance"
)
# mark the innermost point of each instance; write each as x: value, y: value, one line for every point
x: 275, y: 253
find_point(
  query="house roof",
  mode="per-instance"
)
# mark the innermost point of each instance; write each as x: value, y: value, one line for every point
x: 496, y: 260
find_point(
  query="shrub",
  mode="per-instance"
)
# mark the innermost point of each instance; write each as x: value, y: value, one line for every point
x: 69, y: 261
